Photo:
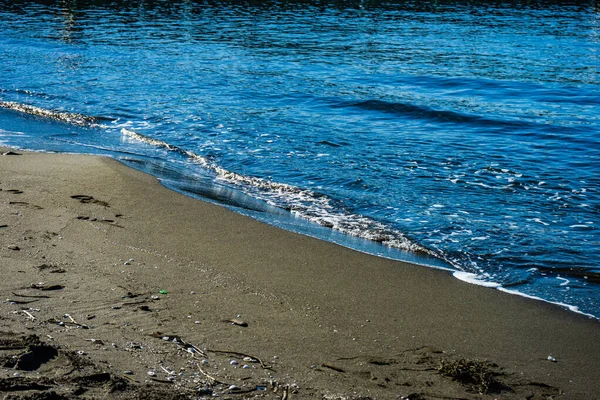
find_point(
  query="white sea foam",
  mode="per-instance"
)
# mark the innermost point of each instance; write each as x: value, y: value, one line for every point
x: 481, y: 281
x: 71, y: 118
x: 475, y: 279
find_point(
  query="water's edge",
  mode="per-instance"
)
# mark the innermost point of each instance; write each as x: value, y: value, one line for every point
x: 243, y: 204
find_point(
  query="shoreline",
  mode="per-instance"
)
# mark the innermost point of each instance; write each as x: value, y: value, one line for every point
x: 327, y: 320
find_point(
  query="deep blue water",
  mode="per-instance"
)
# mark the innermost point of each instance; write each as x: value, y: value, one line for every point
x: 457, y: 134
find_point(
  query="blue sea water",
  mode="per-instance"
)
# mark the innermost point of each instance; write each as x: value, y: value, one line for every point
x: 456, y: 134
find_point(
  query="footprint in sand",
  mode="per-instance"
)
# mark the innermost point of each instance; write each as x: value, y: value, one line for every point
x: 83, y: 198
x: 24, y: 203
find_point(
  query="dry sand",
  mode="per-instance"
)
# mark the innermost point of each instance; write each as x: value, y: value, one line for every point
x: 87, y: 244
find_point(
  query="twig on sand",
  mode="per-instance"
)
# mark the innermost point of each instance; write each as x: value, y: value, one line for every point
x: 72, y: 321
x: 284, y: 396
x: 212, y: 378
x: 28, y: 315
x: 178, y: 340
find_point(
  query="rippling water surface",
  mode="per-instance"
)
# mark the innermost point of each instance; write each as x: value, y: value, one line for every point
x: 460, y: 134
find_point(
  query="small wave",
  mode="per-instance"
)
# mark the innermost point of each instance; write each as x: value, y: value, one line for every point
x: 304, y: 203
x: 70, y: 118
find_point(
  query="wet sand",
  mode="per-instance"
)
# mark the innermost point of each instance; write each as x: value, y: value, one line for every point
x: 246, y: 310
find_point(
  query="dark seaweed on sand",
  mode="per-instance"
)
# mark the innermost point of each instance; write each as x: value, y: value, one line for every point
x: 479, y: 375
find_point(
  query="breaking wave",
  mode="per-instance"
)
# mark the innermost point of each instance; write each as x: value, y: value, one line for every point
x: 70, y: 118
x: 303, y: 203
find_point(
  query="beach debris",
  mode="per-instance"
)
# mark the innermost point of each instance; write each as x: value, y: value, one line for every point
x: 212, y: 378
x: 177, y: 340
x: 14, y: 191
x: 81, y: 352
x: 14, y: 247
x: 235, y: 353
x: 477, y: 374
x: 233, y: 362
x: 167, y: 370
x: 29, y: 315
x: 151, y: 373
x: 236, y: 321
x: 551, y: 359
x: 162, y: 291
x: 73, y: 322
x: 284, y: 396
x: 3, y: 226
x: 11, y: 153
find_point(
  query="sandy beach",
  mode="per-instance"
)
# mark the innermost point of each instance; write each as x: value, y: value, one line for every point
x: 116, y: 287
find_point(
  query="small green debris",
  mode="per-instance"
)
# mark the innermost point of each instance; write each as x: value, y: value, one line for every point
x: 163, y: 291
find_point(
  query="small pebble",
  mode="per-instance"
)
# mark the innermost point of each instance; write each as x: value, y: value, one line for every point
x: 233, y: 362
x: 14, y: 247
x: 245, y: 366
x: 551, y: 359
x: 234, y: 387
x: 81, y: 352
x: 151, y: 373
x: 196, y: 322
x: 128, y: 372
